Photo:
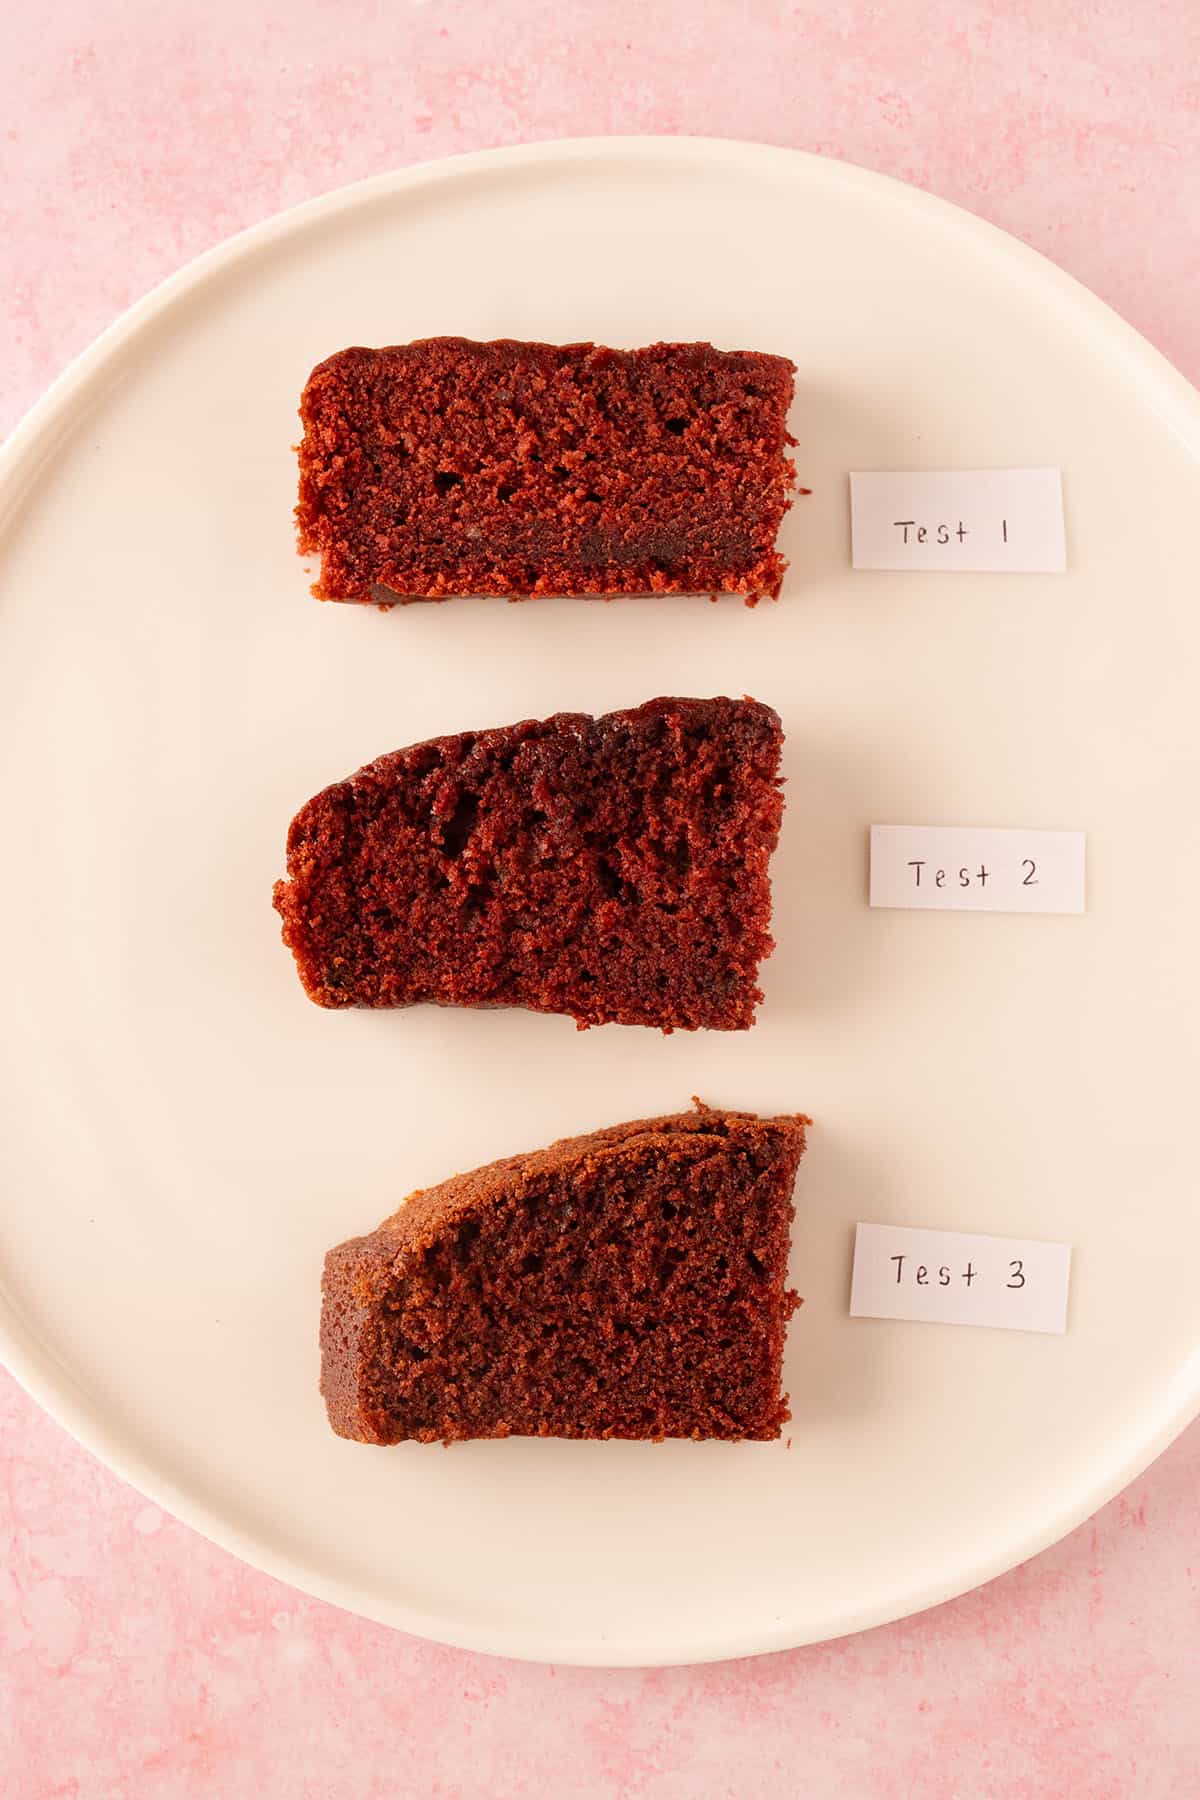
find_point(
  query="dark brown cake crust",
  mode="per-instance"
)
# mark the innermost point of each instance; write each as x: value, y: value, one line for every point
x: 626, y: 1284
x: 451, y: 467
x: 612, y: 869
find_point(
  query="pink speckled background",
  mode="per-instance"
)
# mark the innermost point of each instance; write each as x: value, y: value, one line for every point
x: 140, y: 1662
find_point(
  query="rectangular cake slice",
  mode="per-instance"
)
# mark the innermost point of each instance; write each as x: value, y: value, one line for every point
x: 449, y: 467
x: 627, y: 1284
x: 613, y: 868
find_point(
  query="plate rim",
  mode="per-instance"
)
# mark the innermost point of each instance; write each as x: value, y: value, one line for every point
x: 32, y: 1362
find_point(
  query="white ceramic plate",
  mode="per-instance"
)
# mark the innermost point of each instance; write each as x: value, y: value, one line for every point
x: 184, y: 1134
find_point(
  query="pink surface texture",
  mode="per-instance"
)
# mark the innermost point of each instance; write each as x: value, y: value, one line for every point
x: 138, y: 1661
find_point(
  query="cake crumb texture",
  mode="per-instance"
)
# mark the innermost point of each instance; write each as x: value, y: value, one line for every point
x: 631, y: 1283
x: 612, y: 868
x: 448, y: 467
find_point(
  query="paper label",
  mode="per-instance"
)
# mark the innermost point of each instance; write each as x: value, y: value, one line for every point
x: 958, y: 868
x: 959, y: 519
x: 959, y: 1278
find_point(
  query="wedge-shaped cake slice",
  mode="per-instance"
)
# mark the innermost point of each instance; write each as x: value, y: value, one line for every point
x: 451, y: 467
x: 627, y: 1284
x: 612, y: 868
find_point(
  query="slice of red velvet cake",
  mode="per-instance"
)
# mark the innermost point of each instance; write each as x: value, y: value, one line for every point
x: 450, y: 467
x: 628, y: 1284
x: 612, y: 868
